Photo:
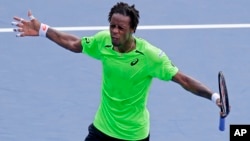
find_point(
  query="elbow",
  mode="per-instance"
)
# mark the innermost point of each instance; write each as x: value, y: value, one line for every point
x: 76, y: 50
x: 184, y: 80
x: 75, y: 47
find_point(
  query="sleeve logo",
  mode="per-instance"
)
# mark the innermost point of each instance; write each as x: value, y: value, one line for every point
x: 87, y: 40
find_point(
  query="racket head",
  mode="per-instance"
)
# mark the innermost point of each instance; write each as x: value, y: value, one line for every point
x: 225, y: 109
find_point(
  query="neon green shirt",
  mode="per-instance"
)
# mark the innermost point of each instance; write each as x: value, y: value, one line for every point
x: 126, y: 81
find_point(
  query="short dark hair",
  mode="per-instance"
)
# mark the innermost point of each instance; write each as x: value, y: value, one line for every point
x: 126, y: 10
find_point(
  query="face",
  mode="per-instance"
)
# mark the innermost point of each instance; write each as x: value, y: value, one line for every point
x: 120, y: 30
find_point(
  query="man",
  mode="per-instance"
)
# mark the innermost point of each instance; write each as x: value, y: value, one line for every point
x: 129, y: 65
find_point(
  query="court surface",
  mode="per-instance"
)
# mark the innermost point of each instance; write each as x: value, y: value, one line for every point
x: 50, y: 94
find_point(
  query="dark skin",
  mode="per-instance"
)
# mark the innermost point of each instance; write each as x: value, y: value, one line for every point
x: 122, y: 40
x: 121, y: 33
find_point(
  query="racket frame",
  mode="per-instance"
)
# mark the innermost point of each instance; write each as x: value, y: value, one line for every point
x: 225, y: 109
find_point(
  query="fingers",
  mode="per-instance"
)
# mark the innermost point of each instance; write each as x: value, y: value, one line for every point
x: 30, y: 15
x: 19, y: 32
x: 21, y: 20
x: 19, y: 35
x: 18, y: 24
x: 22, y: 24
x: 18, y: 19
x: 218, y: 103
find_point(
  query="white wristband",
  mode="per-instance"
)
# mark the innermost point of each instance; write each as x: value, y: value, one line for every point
x: 214, y: 97
x: 43, y: 29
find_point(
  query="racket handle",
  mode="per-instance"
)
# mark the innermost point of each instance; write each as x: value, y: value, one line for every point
x: 222, y: 124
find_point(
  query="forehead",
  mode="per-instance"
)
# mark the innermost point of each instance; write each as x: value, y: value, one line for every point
x: 120, y: 19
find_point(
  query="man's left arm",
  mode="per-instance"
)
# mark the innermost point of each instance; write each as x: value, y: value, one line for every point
x: 192, y: 85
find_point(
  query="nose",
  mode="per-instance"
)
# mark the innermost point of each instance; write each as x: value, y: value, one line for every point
x: 115, y: 29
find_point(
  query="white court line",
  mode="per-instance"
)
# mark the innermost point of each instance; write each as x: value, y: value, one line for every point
x: 147, y: 27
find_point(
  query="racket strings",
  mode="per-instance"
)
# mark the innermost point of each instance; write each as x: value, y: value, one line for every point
x: 224, y: 99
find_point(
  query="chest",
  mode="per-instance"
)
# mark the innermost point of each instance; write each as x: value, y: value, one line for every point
x: 124, y: 67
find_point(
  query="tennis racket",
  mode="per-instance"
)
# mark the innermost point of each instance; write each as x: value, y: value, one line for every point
x: 225, y: 109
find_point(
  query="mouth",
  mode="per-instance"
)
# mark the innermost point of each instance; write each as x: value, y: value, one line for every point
x: 115, y: 40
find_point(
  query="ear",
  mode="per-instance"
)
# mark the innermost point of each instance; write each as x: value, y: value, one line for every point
x: 132, y: 31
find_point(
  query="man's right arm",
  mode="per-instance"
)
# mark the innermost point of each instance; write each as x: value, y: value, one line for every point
x: 33, y: 27
x: 67, y: 41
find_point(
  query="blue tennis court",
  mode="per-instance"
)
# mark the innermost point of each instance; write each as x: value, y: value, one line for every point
x: 48, y: 93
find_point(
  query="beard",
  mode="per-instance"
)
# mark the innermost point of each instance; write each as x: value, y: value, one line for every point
x: 116, y: 43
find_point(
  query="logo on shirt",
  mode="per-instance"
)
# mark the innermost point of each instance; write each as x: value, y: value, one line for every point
x: 173, y: 64
x: 108, y: 46
x: 160, y: 54
x: 87, y: 40
x: 134, y: 62
x: 137, y: 51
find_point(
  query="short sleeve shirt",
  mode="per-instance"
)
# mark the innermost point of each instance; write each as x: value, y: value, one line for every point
x: 126, y: 81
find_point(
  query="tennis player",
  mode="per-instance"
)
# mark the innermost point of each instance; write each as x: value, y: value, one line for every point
x: 129, y: 65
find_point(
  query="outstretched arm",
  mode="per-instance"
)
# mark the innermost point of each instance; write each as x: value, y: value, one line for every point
x: 33, y: 27
x: 194, y: 86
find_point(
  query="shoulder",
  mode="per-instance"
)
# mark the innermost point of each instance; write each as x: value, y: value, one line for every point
x: 99, y: 35
x: 102, y: 34
x: 151, y: 51
x: 98, y: 38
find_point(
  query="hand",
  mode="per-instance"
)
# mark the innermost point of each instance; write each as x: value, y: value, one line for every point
x: 25, y: 27
x: 219, y: 104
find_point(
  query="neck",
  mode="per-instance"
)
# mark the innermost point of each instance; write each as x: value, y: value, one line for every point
x: 127, y: 47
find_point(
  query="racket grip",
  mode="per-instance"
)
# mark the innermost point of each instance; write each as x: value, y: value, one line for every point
x: 222, y: 124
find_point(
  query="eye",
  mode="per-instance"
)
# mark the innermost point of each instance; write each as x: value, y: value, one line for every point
x: 112, y: 26
x: 120, y: 28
